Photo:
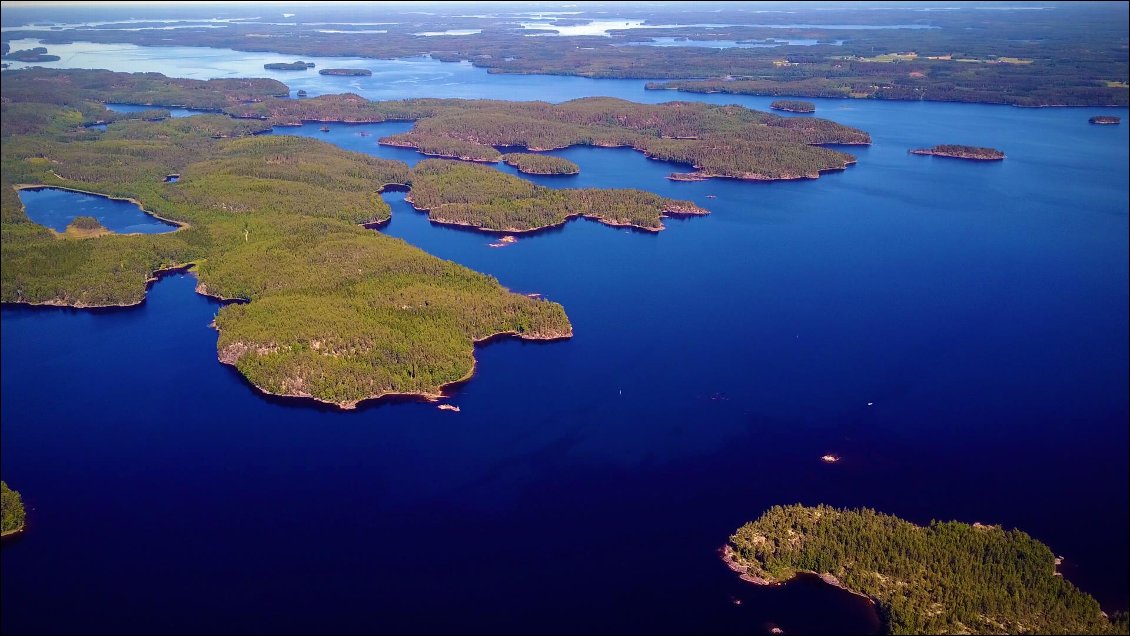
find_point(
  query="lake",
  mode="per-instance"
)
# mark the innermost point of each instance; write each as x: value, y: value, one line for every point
x: 957, y: 332
x: 56, y: 208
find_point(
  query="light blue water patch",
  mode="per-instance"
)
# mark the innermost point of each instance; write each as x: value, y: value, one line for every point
x: 138, y: 108
x: 56, y: 208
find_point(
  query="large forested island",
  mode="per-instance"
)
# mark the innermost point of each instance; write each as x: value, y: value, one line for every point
x: 718, y: 141
x: 955, y: 151
x: 945, y: 578
x: 459, y: 193
x: 37, y: 54
x: 11, y: 510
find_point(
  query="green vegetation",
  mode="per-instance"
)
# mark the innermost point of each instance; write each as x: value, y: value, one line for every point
x: 288, y: 66
x: 349, y: 72
x: 11, y: 510
x: 336, y: 312
x: 945, y: 578
x: 793, y: 106
x: 484, y: 198
x: 955, y: 151
x: 530, y: 163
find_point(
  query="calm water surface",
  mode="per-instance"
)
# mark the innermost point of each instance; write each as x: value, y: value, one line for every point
x: 56, y: 208
x: 586, y: 485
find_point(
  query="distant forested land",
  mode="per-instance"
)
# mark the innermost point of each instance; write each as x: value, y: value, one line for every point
x: 945, y: 578
x: 11, y: 509
x: 1062, y: 54
x: 334, y: 311
x: 484, y: 198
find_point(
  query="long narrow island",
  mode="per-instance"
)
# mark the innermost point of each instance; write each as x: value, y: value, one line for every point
x: 288, y: 66
x: 944, y: 578
x: 530, y: 163
x: 793, y: 106
x: 954, y: 151
x: 348, y: 72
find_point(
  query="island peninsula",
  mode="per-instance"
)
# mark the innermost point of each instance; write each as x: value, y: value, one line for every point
x: 944, y: 578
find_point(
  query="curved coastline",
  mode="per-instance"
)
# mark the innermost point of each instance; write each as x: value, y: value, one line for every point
x: 154, y: 276
x: 423, y: 396
x: 690, y: 176
x: 669, y: 213
x: 731, y: 561
x: 180, y: 225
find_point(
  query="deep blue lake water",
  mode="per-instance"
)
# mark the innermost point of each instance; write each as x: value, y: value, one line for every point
x: 585, y: 486
x: 56, y: 208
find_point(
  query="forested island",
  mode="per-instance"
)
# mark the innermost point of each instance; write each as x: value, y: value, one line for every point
x: 331, y: 311
x: 289, y: 66
x: 953, y: 151
x: 349, y: 72
x: 944, y: 578
x: 793, y: 106
x: 38, y: 54
x: 531, y: 163
x: 12, y: 514
x: 1105, y: 119
x: 457, y: 193
x: 717, y: 141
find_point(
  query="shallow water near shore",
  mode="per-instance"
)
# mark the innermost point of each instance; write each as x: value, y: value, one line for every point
x: 586, y: 485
